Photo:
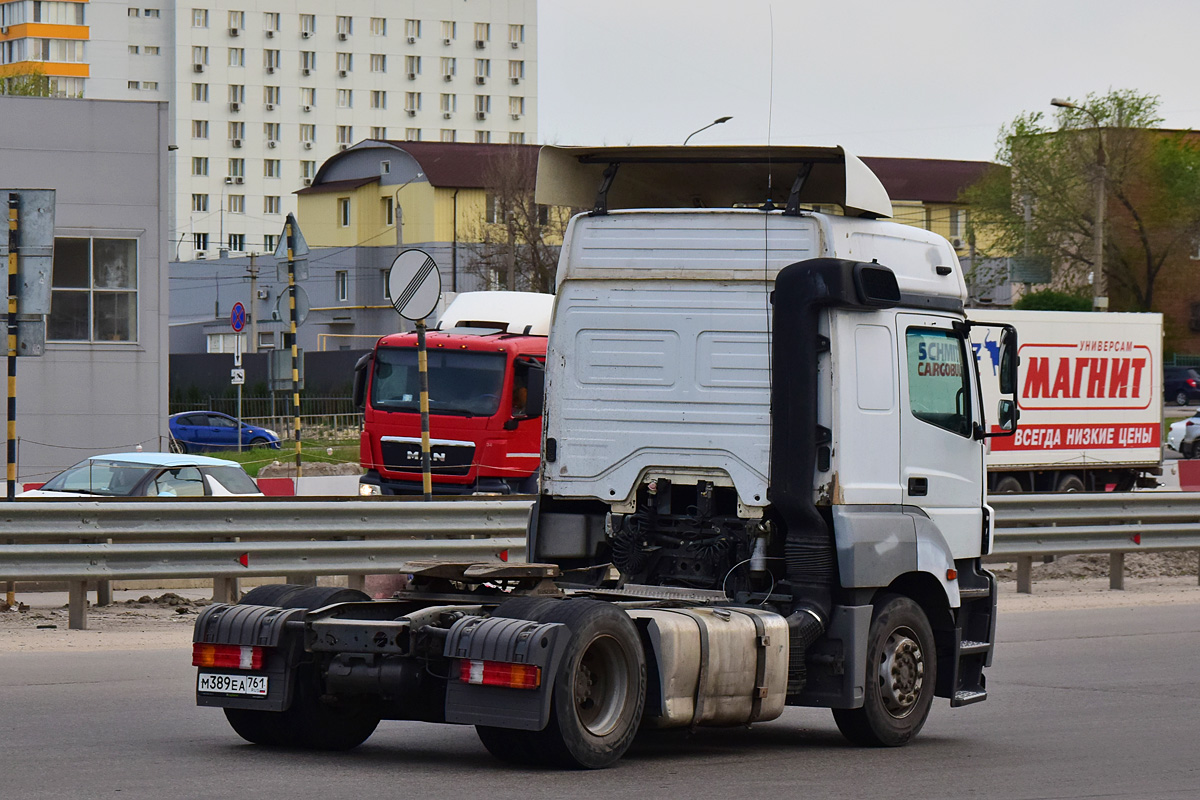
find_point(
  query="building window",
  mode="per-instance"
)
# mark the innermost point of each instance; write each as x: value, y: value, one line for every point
x: 449, y: 103
x: 271, y: 59
x: 133, y: 49
x: 271, y: 204
x: 343, y: 211
x: 133, y: 12
x: 378, y: 132
x: 237, y: 56
x: 94, y: 291
x: 308, y: 169
x: 150, y: 85
x: 449, y: 68
x: 270, y: 242
x: 237, y: 241
x: 345, y: 62
x: 449, y: 30
x: 134, y: 85
x: 271, y: 131
x: 449, y: 135
x: 151, y: 50
x: 271, y: 95
x: 483, y: 104
x: 412, y: 28
x: 378, y: 26
x: 199, y: 202
x: 483, y: 137
x: 308, y: 60
x: 516, y: 71
x: 345, y: 25
x: 378, y: 62
x: 225, y: 343
x: 271, y: 21
x: 412, y: 134
x: 516, y: 137
x: 389, y: 211
x: 412, y: 102
x: 200, y: 241
x: 200, y: 92
x: 199, y: 129
x: 199, y: 165
x: 237, y: 205
x: 483, y: 33
x: 266, y: 339
x: 483, y: 69
x: 308, y: 24
x: 200, y: 55
x: 237, y: 130
x: 199, y: 18
x: 516, y: 34
x: 516, y: 106
x: 308, y: 133
x: 237, y: 93
x: 237, y: 168
x: 345, y: 98
x: 412, y: 65
x: 271, y: 168
x: 341, y: 280
x: 151, y: 13
x: 378, y: 99
x: 345, y: 134
x: 237, y: 20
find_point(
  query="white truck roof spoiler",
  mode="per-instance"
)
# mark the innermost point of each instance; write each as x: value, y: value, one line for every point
x: 603, y: 178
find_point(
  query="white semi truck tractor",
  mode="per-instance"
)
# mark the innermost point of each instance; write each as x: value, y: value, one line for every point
x: 763, y: 485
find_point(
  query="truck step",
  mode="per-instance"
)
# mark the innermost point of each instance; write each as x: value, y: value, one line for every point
x: 966, y: 698
x: 968, y: 647
x: 974, y: 593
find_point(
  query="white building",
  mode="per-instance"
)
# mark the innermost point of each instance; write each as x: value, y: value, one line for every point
x: 263, y: 91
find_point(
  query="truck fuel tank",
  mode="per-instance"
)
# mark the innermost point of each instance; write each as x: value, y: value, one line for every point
x: 714, y: 666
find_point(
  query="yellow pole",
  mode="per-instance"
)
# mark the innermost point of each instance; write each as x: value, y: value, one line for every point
x: 423, y: 371
x: 13, y: 242
x: 291, y: 237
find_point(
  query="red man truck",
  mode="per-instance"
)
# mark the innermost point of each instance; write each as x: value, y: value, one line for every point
x: 486, y: 362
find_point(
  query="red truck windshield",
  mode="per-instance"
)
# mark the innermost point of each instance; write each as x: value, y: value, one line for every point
x: 461, y: 382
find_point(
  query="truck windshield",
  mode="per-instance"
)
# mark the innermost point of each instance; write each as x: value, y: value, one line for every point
x: 461, y: 382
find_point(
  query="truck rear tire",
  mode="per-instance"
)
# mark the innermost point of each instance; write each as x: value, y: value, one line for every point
x: 1008, y: 485
x: 599, y: 690
x: 901, y: 674
x: 312, y: 721
x: 1070, y: 483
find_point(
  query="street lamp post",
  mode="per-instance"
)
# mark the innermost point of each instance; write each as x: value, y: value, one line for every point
x: 1099, y: 280
x: 717, y: 121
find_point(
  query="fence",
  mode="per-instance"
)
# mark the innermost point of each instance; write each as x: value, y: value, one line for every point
x: 78, y: 541
x: 336, y: 413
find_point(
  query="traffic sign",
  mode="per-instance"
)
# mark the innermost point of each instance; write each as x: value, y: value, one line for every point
x: 237, y: 377
x: 299, y: 252
x: 414, y: 284
x: 238, y: 317
x: 283, y: 311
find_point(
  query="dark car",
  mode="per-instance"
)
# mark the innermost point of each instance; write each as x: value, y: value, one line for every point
x: 1181, y: 385
x: 193, y: 431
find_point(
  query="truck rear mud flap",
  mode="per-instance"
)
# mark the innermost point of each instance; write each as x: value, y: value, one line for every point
x: 503, y: 671
x: 262, y: 679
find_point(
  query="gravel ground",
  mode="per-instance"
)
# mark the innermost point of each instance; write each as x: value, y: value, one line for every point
x: 155, y: 620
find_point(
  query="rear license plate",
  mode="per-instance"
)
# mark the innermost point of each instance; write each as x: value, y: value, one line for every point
x: 211, y: 683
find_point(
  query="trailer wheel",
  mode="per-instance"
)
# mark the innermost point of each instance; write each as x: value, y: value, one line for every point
x: 599, y: 690
x: 901, y: 674
x: 1008, y: 485
x: 1070, y: 483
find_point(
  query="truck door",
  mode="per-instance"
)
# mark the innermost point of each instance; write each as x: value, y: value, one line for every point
x: 941, y: 463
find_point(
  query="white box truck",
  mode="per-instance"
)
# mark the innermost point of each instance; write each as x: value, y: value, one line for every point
x: 762, y: 485
x: 1090, y: 392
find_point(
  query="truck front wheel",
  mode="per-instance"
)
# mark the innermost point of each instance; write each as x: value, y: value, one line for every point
x: 599, y: 692
x: 901, y: 674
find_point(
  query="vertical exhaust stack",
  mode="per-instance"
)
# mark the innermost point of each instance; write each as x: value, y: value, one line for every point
x: 802, y: 291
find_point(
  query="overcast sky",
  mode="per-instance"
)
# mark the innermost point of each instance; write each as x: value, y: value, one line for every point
x: 921, y: 78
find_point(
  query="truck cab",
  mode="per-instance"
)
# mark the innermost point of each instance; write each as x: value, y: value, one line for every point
x: 483, y: 359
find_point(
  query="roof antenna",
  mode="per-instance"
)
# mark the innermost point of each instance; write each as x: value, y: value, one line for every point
x: 769, y: 205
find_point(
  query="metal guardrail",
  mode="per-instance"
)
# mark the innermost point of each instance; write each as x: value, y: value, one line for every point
x: 78, y: 541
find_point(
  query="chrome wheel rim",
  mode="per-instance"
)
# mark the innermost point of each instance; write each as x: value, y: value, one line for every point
x: 901, y: 672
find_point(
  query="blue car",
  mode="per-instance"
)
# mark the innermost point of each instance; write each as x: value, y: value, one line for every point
x: 193, y: 431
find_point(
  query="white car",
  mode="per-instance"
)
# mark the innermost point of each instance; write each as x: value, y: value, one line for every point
x: 1182, y: 436
x: 149, y: 475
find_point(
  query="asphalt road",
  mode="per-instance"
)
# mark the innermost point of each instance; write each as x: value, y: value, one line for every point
x: 1084, y: 704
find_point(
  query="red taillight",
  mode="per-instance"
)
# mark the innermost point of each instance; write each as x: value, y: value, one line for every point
x: 499, y: 673
x: 1189, y: 424
x: 1191, y: 382
x: 227, y: 656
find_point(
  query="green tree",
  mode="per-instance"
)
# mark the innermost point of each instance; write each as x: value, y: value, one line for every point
x: 32, y: 83
x: 1040, y: 199
x: 1050, y: 300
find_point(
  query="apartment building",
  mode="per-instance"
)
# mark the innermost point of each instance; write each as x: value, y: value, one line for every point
x: 262, y: 92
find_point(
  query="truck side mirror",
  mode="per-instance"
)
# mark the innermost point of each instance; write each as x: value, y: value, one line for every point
x: 536, y: 400
x: 1008, y: 361
x: 362, y: 368
x: 1007, y: 415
